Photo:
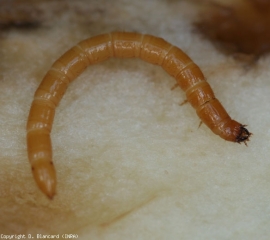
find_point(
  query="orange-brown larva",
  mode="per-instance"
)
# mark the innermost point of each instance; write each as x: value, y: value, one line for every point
x: 122, y: 45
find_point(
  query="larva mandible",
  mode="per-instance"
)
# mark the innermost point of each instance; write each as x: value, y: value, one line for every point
x: 123, y: 45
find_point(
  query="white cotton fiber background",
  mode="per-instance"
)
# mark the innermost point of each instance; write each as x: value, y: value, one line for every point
x: 131, y: 162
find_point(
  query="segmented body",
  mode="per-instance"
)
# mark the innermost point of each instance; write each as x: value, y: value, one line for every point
x: 121, y: 45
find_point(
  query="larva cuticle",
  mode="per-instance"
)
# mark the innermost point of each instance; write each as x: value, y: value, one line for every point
x: 122, y: 45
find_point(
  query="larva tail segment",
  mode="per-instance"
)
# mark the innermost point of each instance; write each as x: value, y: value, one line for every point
x: 45, y: 177
x: 244, y: 135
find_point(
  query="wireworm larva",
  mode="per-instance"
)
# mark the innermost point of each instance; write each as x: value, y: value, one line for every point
x: 123, y: 45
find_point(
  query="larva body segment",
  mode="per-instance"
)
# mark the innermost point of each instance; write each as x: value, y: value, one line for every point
x: 97, y: 49
x: 121, y: 45
x: 154, y: 50
x: 126, y: 45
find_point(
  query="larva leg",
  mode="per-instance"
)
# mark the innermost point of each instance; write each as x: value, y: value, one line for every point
x: 184, y: 102
x: 174, y: 86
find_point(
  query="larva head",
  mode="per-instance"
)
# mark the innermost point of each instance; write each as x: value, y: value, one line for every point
x: 244, y: 135
x: 45, y: 177
x: 235, y: 132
